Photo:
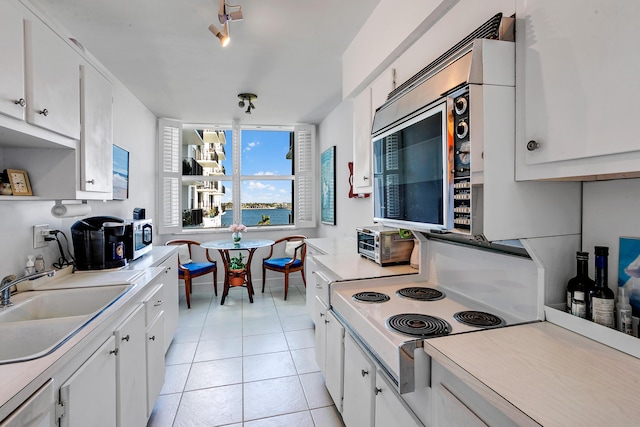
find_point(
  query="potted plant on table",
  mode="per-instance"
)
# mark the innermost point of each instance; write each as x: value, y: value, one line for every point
x: 237, y: 270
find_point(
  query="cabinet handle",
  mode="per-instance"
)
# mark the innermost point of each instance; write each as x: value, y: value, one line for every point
x: 44, y: 112
x: 126, y: 338
x: 533, y: 145
x: 363, y: 372
x: 318, y: 286
x: 377, y: 390
x: 365, y: 178
x: 321, y: 314
x: 91, y: 181
x: 21, y: 102
x: 114, y: 352
x: 152, y: 338
x: 326, y: 321
x: 158, y: 303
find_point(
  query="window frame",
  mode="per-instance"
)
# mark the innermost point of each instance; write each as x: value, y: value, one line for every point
x: 170, y: 146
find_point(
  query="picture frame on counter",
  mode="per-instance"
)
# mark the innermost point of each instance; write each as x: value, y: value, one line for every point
x: 328, y: 186
x: 19, y: 180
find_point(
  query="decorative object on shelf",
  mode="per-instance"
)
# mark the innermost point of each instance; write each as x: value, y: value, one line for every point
x: 19, y: 180
x: 120, y: 173
x: 237, y: 230
x: 328, y: 186
x: 237, y: 271
x: 5, y: 189
x: 247, y: 99
x: 227, y: 13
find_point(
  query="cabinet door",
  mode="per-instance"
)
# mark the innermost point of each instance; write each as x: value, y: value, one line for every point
x: 12, y: 64
x: 578, y: 88
x: 320, y: 319
x: 451, y: 411
x: 390, y: 410
x: 52, y: 76
x: 309, y: 268
x: 96, y: 117
x: 131, y: 374
x: 89, y: 396
x: 359, y: 383
x: 362, y: 145
x: 155, y: 361
x: 334, y: 359
x: 171, y: 299
x: 37, y: 411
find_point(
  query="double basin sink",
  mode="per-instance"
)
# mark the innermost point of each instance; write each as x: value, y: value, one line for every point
x: 39, y: 322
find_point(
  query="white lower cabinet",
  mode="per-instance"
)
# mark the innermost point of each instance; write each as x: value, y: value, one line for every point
x: 89, y: 396
x: 390, y: 410
x: 329, y: 337
x: 359, y: 385
x: 131, y: 375
x: 155, y: 360
x: 37, y: 411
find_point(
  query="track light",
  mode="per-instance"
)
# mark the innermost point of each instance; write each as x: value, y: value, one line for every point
x: 224, y: 14
x: 224, y: 17
x: 223, y: 35
x: 247, y: 99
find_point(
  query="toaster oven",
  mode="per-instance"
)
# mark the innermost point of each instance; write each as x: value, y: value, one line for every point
x: 385, y: 245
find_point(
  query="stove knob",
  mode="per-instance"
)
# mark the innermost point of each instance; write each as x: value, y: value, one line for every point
x: 462, y: 130
x: 461, y: 105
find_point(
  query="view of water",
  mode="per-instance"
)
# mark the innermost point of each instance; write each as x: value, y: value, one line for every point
x: 252, y: 217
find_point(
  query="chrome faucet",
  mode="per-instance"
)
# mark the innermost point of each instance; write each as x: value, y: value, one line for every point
x: 10, y: 280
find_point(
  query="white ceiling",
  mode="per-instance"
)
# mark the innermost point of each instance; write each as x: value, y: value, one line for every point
x: 288, y: 52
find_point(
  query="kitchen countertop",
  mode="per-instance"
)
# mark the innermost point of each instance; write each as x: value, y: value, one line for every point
x: 21, y: 379
x: 341, y: 258
x: 555, y: 376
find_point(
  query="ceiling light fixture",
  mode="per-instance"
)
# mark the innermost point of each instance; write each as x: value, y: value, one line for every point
x: 247, y: 99
x: 226, y: 15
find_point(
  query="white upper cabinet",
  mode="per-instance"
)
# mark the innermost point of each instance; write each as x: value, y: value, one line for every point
x: 577, y: 89
x: 362, y: 142
x: 96, y: 150
x: 12, y: 97
x: 52, y: 81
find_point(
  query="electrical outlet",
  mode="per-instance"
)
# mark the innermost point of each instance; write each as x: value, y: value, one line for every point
x: 39, y: 231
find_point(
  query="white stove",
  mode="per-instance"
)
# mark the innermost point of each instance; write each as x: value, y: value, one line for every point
x: 373, y: 323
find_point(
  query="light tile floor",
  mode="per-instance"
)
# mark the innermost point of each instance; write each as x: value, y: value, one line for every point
x: 243, y: 364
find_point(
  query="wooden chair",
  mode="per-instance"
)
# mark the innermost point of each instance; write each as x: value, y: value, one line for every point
x: 293, y: 260
x: 187, y: 269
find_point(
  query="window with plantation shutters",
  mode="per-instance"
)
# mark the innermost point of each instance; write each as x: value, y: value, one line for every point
x: 216, y: 175
x: 169, y: 141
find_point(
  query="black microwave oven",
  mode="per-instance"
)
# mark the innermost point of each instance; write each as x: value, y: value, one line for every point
x: 139, y: 238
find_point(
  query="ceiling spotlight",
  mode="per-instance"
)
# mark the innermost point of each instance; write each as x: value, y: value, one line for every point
x: 223, y: 35
x: 226, y: 15
x: 247, y: 99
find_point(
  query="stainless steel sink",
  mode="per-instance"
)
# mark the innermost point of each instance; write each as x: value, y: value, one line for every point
x: 40, y: 321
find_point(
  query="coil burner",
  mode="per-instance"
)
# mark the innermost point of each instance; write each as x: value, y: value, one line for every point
x: 419, y: 325
x: 370, y: 297
x: 421, y: 293
x: 479, y: 318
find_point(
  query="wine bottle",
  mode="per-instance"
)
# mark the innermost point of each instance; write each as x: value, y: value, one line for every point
x: 602, y: 298
x: 581, y: 282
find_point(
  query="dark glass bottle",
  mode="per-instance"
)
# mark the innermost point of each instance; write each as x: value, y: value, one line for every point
x: 602, y: 298
x: 581, y: 282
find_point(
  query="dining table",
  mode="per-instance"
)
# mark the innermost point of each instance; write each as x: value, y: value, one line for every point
x: 224, y: 246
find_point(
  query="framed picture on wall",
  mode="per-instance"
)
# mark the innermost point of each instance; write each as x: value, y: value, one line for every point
x: 328, y: 186
x: 120, y: 173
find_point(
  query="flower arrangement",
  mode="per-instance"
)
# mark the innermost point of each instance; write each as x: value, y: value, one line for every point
x: 238, y: 228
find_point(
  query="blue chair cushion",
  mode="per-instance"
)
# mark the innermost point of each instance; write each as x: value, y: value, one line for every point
x: 199, y: 267
x: 280, y: 262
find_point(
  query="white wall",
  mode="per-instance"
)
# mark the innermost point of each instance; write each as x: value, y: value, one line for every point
x: 337, y: 129
x: 134, y: 129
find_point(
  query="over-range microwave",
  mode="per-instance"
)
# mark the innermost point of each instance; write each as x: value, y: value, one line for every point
x: 428, y: 142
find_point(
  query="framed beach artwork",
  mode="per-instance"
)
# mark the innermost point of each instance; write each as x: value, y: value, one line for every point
x: 328, y: 186
x: 120, y: 173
